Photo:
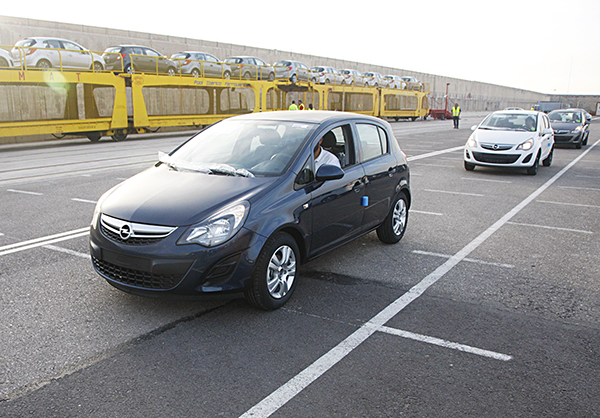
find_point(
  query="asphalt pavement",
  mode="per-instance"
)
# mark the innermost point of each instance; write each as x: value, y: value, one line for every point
x: 489, y: 306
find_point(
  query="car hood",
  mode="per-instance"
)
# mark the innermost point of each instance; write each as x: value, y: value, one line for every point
x: 503, y: 137
x: 163, y: 196
x: 564, y: 126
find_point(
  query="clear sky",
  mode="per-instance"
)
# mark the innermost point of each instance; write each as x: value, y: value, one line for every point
x: 546, y: 46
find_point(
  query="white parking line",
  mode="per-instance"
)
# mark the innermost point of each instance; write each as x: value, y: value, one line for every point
x: 469, y: 260
x: 295, y: 385
x: 579, y: 188
x: 427, y: 213
x: 25, y: 192
x: 84, y: 200
x: 39, y: 242
x: 488, y: 180
x: 551, y: 227
x: 456, y: 193
x: 435, y: 165
x: 66, y: 251
x: 435, y: 153
x: 446, y: 344
x: 569, y: 204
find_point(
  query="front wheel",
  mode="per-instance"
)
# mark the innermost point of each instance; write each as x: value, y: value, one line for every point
x: 532, y: 171
x: 392, y: 229
x: 44, y: 64
x: 274, y: 277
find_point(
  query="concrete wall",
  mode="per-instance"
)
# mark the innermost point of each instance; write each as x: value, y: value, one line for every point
x: 470, y: 94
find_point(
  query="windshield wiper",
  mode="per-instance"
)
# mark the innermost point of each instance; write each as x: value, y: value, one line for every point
x: 202, y: 167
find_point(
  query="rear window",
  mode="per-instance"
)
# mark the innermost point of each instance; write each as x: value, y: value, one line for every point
x: 235, y: 60
x: 320, y: 69
x: 181, y: 56
x: 283, y: 63
x: 113, y: 49
x: 26, y: 43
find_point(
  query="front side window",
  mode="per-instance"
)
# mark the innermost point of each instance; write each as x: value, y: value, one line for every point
x: 152, y: 53
x: 337, y: 142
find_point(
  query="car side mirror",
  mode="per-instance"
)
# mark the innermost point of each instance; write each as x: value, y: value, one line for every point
x: 329, y: 172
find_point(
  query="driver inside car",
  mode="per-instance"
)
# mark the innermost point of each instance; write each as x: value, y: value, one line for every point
x: 324, y: 157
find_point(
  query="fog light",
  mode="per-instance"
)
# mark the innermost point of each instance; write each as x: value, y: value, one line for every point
x: 527, y: 159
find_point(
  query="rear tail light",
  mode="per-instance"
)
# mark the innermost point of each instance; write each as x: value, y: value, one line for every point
x: 186, y: 62
x: 289, y: 68
x: 31, y: 51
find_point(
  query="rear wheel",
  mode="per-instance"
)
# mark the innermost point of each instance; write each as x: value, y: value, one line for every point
x: 44, y: 64
x: 195, y: 72
x: 393, y: 227
x: 3, y: 63
x: 98, y: 66
x: 274, y: 277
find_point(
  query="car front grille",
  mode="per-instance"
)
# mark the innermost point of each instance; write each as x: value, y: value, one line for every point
x: 137, y: 278
x: 496, y: 158
x: 496, y: 147
x: 130, y: 233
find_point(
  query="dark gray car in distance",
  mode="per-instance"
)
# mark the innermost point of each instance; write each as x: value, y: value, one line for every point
x: 137, y: 58
x: 236, y: 208
x: 571, y: 126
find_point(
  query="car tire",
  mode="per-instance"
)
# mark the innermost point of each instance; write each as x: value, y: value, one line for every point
x: 469, y: 166
x: 294, y: 78
x: 585, y: 141
x: 247, y: 76
x: 3, y: 63
x: 171, y: 71
x: 271, y: 76
x: 227, y: 75
x: 275, y: 276
x: 129, y: 69
x: 548, y: 160
x: 195, y: 72
x: 532, y: 171
x: 393, y: 227
x: 96, y: 66
x: 43, y: 64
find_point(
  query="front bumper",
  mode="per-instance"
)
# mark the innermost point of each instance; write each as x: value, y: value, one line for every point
x: 509, y: 158
x: 164, y: 269
x: 569, y: 138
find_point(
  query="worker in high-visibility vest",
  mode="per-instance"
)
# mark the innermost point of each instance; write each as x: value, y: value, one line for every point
x: 300, y: 105
x: 293, y: 106
x: 456, y: 115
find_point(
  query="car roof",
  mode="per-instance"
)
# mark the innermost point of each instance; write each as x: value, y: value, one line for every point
x: 526, y: 112
x: 312, y: 116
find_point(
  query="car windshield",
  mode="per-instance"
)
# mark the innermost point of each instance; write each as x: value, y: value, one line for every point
x: 565, y: 116
x: 510, y: 122
x: 245, y: 148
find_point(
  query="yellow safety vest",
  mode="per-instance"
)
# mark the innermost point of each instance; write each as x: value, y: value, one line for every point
x: 456, y: 111
x: 293, y: 107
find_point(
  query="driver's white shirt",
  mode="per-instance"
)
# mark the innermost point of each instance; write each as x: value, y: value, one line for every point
x: 325, y: 157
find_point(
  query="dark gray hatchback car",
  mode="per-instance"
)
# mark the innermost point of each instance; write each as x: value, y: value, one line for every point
x: 236, y: 208
x: 571, y: 126
x: 137, y: 58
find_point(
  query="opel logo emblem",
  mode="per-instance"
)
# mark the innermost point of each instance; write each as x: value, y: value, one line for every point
x: 496, y: 146
x: 125, y: 231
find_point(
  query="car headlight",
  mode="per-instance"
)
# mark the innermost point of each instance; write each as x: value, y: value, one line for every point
x: 98, y: 207
x: 218, y: 228
x: 527, y: 145
x: 576, y: 130
x: 472, y: 143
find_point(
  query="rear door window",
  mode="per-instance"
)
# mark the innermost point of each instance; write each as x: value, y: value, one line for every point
x: 372, y: 141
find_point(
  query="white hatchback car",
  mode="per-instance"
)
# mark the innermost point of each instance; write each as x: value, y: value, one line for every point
x: 55, y: 53
x: 515, y: 138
